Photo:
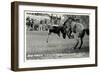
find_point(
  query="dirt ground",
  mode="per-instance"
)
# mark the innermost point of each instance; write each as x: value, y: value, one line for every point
x: 56, y: 48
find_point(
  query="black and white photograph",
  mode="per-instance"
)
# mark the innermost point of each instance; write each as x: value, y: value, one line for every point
x: 53, y: 36
x: 56, y: 35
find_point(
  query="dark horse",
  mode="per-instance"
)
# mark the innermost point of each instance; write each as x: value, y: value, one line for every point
x: 75, y: 29
x: 57, y: 30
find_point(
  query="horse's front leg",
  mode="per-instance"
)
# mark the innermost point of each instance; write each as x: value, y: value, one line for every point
x: 81, y: 43
x: 77, y: 42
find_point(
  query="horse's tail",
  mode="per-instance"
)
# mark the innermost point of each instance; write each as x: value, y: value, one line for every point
x: 87, y: 31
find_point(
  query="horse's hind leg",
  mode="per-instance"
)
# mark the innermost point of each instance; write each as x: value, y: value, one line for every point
x: 58, y: 35
x: 81, y: 39
x: 48, y: 36
x: 77, y: 42
x: 81, y: 43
